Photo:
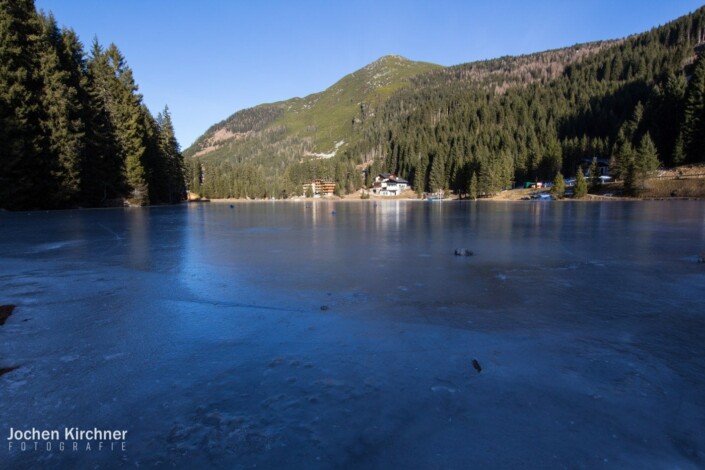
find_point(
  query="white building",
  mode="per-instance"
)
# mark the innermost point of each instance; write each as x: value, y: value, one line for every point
x: 388, y: 184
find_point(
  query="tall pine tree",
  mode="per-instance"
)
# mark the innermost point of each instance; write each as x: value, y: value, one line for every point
x: 171, y: 154
x: 694, y: 126
x: 26, y: 175
x: 104, y: 170
x: 128, y: 121
x: 63, y: 104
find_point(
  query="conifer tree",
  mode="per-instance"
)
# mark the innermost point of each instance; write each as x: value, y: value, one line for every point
x: 667, y: 117
x: 694, y: 126
x: 420, y: 177
x: 647, y: 160
x: 594, y: 173
x: 488, y: 181
x: 63, y: 102
x: 580, y: 185
x: 26, y: 177
x: 104, y: 168
x: 153, y: 161
x: 558, y: 188
x: 623, y: 154
x: 128, y: 120
x: 436, y: 178
x: 171, y: 154
x: 472, y: 186
x: 630, y: 178
x: 553, y: 159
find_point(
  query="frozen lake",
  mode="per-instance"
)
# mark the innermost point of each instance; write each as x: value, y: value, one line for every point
x: 322, y: 335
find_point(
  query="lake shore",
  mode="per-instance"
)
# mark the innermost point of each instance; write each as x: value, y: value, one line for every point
x: 678, y: 184
x: 684, y: 183
x: 512, y: 195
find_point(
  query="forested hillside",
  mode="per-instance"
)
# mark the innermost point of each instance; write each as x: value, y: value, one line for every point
x: 626, y: 102
x: 73, y: 128
x: 490, y: 124
x: 249, y: 153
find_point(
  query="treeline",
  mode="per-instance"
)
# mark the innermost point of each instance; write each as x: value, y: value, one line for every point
x: 228, y: 179
x: 642, y: 97
x: 73, y: 128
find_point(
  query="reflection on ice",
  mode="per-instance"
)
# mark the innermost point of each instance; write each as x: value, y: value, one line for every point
x: 571, y: 338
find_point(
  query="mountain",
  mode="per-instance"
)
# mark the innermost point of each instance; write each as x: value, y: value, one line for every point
x: 319, y: 124
x: 496, y: 122
x: 264, y: 142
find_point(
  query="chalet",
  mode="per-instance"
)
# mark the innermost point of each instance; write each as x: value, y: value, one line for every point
x: 319, y: 188
x: 389, y: 184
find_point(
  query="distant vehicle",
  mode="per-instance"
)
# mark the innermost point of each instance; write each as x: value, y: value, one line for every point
x: 606, y: 179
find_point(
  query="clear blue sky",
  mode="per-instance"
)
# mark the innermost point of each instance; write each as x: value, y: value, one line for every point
x: 207, y: 59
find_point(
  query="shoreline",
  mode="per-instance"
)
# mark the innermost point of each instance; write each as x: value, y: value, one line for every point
x: 504, y: 196
x: 589, y: 198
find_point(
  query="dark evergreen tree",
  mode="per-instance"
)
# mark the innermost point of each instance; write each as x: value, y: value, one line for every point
x: 420, y: 172
x: 472, y: 186
x: 128, y: 120
x: 104, y: 169
x: 558, y: 188
x: 594, y: 173
x: 437, y: 179
x: 694, y: 127
x: 622, y: 155
x: 581, y: 188
x: 170, y: 153
x: 667, y: 115
x: 63, y: 102
x: 26, y: 168
x: 647, y: 161
x: 196, y: 176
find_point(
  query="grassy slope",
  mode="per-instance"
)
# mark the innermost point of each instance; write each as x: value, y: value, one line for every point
x: 327, y: 117
x: 315, y: 122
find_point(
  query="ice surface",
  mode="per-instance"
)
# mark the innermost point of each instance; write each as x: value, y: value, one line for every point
x: 200, y: 330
